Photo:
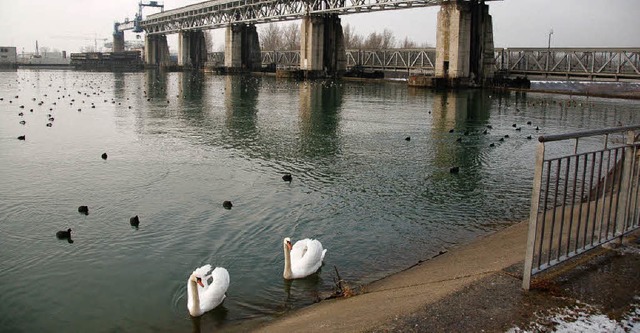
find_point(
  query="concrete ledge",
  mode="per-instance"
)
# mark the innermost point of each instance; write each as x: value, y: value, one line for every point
x: 475, y: 287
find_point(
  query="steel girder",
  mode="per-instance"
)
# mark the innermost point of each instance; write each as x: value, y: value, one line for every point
x: 615, y: 63
x: 222, y: 13
x: 282, y: 59
x: 393, y: 59
x: 422, y: 60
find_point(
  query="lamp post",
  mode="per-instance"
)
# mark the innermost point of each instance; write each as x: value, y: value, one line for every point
x: 549, y: 50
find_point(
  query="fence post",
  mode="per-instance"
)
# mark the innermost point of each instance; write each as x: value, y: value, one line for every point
x: 625, y: 184
x: 533, y: 217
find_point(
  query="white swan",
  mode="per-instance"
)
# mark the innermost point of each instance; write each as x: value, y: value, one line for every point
x: 203, y: 296
x: 302, y: 259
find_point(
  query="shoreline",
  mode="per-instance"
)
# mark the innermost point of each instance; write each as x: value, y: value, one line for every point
x: 405, y: 291
x: 475, y: 286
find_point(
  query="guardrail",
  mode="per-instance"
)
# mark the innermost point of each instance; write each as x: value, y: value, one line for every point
x: 583, y: 195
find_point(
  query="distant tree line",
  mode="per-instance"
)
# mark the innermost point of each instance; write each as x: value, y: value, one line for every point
x: 286, y: 37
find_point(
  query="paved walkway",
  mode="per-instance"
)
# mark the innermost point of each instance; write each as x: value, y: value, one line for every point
x: 410, y: 290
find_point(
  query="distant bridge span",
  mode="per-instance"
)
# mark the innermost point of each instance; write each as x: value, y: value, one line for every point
x: 586, y: 63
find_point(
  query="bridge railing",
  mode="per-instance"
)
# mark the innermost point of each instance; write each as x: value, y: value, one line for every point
x: 583, y: 195
x: 422, y: 60
x: 286, y: 59
x: 542, y: 62
x: 414, y: 60
x: 612, y: 63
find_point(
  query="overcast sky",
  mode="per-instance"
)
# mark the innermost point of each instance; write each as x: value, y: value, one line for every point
x: 71, y: 24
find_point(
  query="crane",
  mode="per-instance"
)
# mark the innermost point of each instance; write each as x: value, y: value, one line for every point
x: 135, y: 24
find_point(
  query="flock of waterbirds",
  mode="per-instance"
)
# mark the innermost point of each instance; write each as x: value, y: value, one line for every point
x: 200, y: 285
x: 93, y: 86
x: 134, y: 221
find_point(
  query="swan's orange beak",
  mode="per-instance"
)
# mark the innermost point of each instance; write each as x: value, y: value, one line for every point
x: 199, y: 280
x: 289, y: 246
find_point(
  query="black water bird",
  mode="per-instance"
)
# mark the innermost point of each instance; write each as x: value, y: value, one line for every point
x: 134, y: 221
x: 518, y: 128
x: 492, y: 145
x: 506, y: 135
x: 408, y: 138
x: 64, y: 235
x: 529, y: 137
x: 83, y: 210
x: 287, y: 177
x: 21, y: 137
x: 451, y: 130
x: 49, y: 124
x: 528, y: 122
x: 459, y: 139
x: 501, y: 139
x: 20, y: 114
x: 22, y: 122
x: 227, y: 204
x: 537, y: 128
x: 454, y: 169
x: 104, y: 156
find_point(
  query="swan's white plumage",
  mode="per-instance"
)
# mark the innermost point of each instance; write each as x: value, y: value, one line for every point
x: 201, y: 299
x: 304, y: 258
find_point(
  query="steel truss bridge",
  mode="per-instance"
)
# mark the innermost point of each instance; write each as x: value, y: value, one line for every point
x: 222, y: 13
x: 589, y: 63
x: 612, y: 63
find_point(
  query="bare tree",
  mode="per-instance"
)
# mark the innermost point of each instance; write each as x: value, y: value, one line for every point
x: 291, y: 37
x: 351, y: 39
x: 408, y: 44
x: 270, y: 37
x: 388, y: 39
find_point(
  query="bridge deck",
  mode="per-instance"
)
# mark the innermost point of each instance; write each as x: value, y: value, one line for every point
x: 221, y: 13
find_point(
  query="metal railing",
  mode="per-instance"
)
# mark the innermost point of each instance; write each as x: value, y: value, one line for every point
x: 589, y: 63
x: 566, y: 63
x: 420, y: 60
x: 583, y: 195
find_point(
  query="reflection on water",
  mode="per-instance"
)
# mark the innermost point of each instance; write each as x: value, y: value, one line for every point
x: 320, y: 105
x: 179, y: 144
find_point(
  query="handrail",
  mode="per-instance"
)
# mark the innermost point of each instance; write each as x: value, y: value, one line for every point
x: 582, y: 134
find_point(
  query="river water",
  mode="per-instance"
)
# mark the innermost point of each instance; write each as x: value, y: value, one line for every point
x: 179, y: 145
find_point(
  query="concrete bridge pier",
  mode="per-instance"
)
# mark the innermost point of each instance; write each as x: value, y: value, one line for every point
x: 322, y: 51
x: 156, y: 51
x: 464, y: 45
x: 118, y: 41
x: 242, y: 48
x: 192, y: 49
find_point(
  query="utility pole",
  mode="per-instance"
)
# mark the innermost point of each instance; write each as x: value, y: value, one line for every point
x: 548, y: 51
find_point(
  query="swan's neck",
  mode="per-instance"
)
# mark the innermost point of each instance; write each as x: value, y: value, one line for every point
x: 287, y: 263
x: 194, y: 299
